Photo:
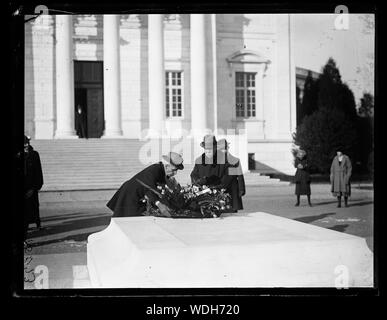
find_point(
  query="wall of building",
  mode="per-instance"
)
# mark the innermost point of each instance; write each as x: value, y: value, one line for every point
x: 39, y: 78
x: 268, y: 35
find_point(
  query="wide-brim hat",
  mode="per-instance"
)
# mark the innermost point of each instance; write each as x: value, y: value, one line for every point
x: 174, y: 159
x: 209, y: 142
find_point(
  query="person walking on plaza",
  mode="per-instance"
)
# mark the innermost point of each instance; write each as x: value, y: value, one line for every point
x: 233, y: 179
x: 302, y: 177
x: 127, y: 201
x: 33, y: 182
x: 341, y: 171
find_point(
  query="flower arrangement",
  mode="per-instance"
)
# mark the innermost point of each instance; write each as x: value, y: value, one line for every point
x: 191, y: 201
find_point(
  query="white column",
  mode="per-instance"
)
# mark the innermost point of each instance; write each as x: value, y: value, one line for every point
x: 156, y: 74
x: 64, y: 78
x: 198, y: 74
x: 111, y: 74
x: 215, y: 72
x: 292, y: 84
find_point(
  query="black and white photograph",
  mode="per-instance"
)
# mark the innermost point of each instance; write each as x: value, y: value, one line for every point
x: 197, y: 149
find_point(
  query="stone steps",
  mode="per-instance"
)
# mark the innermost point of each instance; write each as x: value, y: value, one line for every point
x: 103, y: 164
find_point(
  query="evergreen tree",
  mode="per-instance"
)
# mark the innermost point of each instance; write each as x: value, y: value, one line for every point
x: 366, y: 133
x: 321, y: 133
x: 334, y: 123
x: 330, y: 86
x: 366, y: 108
x: 309, y: 101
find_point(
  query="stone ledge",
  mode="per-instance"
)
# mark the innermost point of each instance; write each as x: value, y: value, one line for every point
x: 253, y: 250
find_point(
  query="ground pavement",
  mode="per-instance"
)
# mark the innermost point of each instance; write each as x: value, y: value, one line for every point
x: 61, y: 244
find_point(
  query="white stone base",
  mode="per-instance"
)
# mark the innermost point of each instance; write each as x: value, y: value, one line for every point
x: 254, y: 250
x: 276, y: 154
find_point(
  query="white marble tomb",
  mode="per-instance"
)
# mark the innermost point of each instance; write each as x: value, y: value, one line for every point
x: 250, y: 250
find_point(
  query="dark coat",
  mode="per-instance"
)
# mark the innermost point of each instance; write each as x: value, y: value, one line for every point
x: 81, y: 124
x: 340, y: 176
x: 33, y: 180
x: 302, y: 177
x: 225, y: 172
x: 233, y: 180
x: 126, y: 202
x: 208, y: 171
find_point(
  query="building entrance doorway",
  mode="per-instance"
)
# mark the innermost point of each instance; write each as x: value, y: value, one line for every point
x: 89, y: 109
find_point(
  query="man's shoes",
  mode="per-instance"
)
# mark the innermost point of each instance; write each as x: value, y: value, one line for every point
x: 339, y: 205
x: 297, y: 204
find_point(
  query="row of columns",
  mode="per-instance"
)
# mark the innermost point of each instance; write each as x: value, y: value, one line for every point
x: 112, y: 83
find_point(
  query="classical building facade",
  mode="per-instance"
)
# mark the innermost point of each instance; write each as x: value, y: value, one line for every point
x: 164, y: 75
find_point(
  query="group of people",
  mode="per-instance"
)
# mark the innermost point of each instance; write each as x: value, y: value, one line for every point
x: 215, y: 167
x: 340, y: 176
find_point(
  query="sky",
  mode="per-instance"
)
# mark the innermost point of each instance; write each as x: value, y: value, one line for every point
x: 316, y: 39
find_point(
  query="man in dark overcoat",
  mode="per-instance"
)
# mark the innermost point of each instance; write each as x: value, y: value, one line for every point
x: 214, y: 167
x: 207, y: 171
x: 127, y: 201
x: 33, y: 182
x: 233, y: 179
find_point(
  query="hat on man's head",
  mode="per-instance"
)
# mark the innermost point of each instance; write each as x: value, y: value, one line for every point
x: 209, y: 142
x: 222, y: 144
x: 174, y: 159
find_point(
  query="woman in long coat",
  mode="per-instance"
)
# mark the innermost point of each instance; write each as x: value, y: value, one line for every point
x: 302, y: 177
x: 341, y: 171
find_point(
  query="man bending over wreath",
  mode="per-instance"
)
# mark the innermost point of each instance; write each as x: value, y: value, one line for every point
x: 127, y: 201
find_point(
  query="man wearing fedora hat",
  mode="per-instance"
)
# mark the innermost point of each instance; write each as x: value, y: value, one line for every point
x: 127, y: 202
x: 208, y: 170
x: 233, y: 179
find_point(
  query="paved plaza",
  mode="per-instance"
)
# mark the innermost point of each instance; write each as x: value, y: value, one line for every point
x: 61, y: 244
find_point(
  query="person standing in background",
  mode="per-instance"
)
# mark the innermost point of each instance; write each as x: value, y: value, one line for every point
x: 80, y: 122
x: 233, y: 179
x: 33, y: 182
x: 302, y: 177
x: 341, y: 171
